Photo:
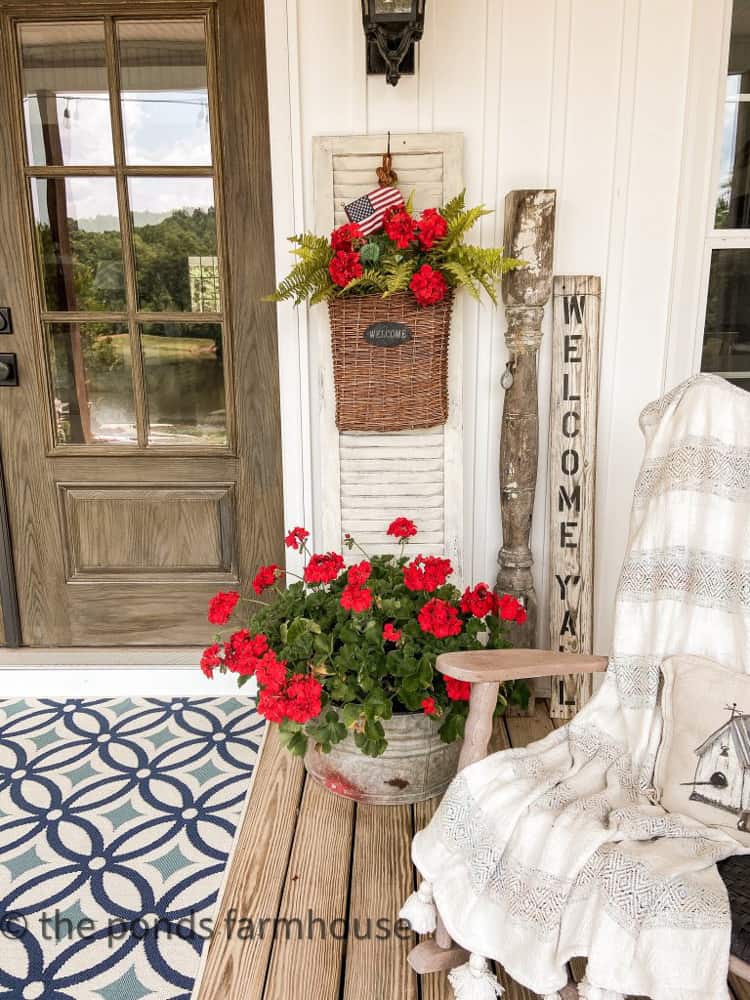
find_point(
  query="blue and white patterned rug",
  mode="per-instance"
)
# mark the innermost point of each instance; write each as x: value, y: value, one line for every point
x: 117, y: 817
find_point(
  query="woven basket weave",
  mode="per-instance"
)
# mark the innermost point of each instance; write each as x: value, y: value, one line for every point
x: 392, y: 388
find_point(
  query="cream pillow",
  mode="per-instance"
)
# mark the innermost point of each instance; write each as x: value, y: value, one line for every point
x: 703, y: 764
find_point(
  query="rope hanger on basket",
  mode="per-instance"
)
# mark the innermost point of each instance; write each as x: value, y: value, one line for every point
x: 387, y: 176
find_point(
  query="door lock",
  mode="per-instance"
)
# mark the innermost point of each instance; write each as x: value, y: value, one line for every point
x: 8, y: 370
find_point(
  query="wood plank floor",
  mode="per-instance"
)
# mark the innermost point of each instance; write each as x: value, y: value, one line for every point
x: 314, y: 890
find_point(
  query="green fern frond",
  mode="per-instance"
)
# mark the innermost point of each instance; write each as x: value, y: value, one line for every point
x: 398, y: 275
x: 459, y: 226
x: 462, y: 277
x: 454, y: 207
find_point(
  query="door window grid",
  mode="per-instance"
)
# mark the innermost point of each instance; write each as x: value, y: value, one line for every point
x: 726, y: 335
x: 197, y: 318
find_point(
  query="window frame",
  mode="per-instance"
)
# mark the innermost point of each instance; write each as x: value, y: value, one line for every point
x: 725, y: 238
x: 132, y: 316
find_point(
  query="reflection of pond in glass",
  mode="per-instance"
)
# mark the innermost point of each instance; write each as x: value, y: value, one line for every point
x: 185, y: 383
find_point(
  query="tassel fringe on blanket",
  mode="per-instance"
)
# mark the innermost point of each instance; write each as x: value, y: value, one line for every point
x: 419, y: 910
x: 474, y: 981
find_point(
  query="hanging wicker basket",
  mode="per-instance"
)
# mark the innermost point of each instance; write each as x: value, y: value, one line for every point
x: 390, y: 362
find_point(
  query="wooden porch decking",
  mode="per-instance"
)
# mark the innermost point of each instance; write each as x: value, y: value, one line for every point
x: 304, y: 851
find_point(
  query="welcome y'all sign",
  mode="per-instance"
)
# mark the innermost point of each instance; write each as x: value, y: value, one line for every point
x: 573, y: 410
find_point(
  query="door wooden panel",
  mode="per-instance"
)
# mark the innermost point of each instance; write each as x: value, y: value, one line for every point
x: 178, y: 532
x: 142, y: 446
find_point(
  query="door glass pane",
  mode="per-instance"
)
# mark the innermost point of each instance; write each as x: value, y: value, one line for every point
x: 65, y: 94
x: 739, y: 46
x: 733, y: 204
x: 726, y: 345
x: 174, y: 234
x: 92, y: 382
x: 78, y: 241
x: 164, y: 92
x: 185, y: 383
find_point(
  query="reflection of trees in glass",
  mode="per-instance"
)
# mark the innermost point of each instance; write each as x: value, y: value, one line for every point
x: 96, y: 268
x: 162, y: 251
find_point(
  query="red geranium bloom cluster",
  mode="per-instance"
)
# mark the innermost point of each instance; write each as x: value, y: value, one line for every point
x: 457, y: 690
x: 355, y: 596
x: 391, y: 634
x: 429, y: 706
x: 439, y: 618
x: 402, y: 528
x: 345, y: 267
x: 296, y: 538
x: 211, y: 659
x: 399, y: 227
x: 479, y: 601
x: 323, y: 568
x: 298, y: 700
x: 343, y: 237
x: 510, y: 609
x: 242, y: 652
x: 221, y: 606
x: 427, y: 573
x: 265, y: 578
x: 428, y: 286
x: 432, y: 226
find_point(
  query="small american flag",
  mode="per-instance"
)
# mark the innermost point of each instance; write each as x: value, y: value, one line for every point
x: 368, y: 211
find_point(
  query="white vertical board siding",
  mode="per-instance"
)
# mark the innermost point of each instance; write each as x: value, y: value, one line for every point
x: 369, y: 479
x: 611, y: 102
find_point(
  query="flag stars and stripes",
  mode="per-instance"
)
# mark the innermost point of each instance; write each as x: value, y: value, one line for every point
x: 368, y: 210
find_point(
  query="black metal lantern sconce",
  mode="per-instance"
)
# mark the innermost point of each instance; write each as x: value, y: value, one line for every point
x: 392, y: 27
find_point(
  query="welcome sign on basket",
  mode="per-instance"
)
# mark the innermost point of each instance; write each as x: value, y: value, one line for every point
x: 573, y: 409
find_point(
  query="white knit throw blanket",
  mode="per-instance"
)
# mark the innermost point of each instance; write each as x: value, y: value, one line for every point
x: 558, y: 849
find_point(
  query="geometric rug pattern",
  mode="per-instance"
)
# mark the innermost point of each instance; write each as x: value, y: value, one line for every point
x: 117, y: 818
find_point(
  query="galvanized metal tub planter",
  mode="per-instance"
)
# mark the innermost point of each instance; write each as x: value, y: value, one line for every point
x: 416, y: 765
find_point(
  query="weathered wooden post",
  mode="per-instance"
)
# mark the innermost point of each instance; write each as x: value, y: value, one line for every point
x: 529, y: 235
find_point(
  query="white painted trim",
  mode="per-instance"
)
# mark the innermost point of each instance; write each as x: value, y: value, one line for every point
x: 101, y: 656
x: 284, y: 111
x: 116, y: 682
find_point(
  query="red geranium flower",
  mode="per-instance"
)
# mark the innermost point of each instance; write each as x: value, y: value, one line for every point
x: 345, y: 267
x: 296, y: 538
x: 432, y: 226
x: 210, y: 659
x: 399, y: 227
x: 402, y: 527
x: 355, y: 598
x: 271, y: 672
x: 359, y: 575
x: 391, y: 634
x: 480, y: 601
x: 242, y: 651
x: 439, y: 618
x: 429, y: 706
x: 428, y: 286
x: 272, y: 705
x: 323, y: 568
x: 265, y: 577
x: 221, y: 606
x: 303, y: 695
x: 427, y: 573
x: 510, y: 609
x: 343, y: 237
x: 457, y: 690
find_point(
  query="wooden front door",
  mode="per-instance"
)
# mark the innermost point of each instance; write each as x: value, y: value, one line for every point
x: 141, y: 447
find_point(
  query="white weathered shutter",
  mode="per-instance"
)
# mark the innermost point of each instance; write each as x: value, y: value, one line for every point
x: 370, y: 478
